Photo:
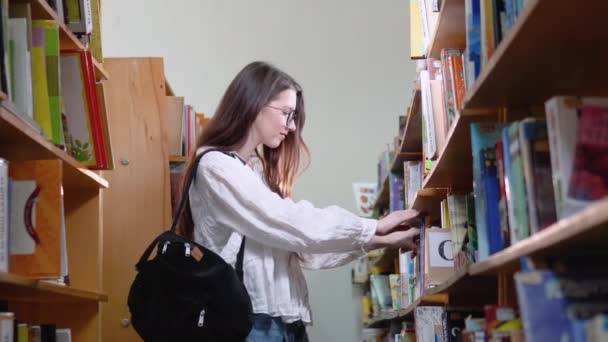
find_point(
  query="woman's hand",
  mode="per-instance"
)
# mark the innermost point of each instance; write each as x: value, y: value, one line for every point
x: 396, y: 239
x: 396, y: 219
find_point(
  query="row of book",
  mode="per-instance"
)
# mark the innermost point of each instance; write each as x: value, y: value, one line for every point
x: 560, y: 299
x: 13, y: 330
x: 184, y: 126
x: 83, y: 19
x: 51, y: 89
x: 487, y: 22
x: 530, y: 173
x: 33, y: 240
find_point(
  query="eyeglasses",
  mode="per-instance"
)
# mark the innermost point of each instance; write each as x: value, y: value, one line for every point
x: 290, y: 114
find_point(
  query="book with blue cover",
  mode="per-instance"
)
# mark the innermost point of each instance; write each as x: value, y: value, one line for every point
x: 552, y: 305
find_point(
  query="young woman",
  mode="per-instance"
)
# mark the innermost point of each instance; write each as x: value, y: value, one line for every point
x: 231, y: 204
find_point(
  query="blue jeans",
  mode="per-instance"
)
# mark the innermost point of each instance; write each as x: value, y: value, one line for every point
x: 272, y: 329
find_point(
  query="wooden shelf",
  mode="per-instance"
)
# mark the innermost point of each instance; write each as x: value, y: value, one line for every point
x: 544, y: 56
x: 450, y: 31
x: 178, y: 159
x: 584, y: 231
x: 67, y: 40
x: 19, y: 141
x: 383, y: 196
x: 21, y: 289
x: 428, y: 200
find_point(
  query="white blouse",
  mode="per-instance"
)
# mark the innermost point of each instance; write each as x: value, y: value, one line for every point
x: 230, y: 200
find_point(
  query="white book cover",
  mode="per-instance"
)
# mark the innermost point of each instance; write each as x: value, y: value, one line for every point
x: 63, y: 335
x: 7, y: 328
x: 426, y: 319
x: 23, y: 96
x: 426, y: 36
x: 4, y: 214
x: 23, y: 201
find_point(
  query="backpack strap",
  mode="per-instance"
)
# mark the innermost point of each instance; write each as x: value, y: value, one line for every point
x: 182, y: 205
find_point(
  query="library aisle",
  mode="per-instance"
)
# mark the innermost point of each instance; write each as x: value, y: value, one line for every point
x: 502, y: 145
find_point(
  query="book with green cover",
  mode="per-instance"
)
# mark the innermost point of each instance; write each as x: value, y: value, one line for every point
x: 51, y: 53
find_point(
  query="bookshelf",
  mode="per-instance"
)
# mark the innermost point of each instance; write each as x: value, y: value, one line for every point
x: 540, y: 57
x: 76, y: 306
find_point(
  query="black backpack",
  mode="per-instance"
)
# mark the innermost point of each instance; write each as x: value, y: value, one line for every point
x: 179, y: 296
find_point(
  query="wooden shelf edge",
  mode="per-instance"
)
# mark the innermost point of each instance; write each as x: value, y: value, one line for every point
x: 178, y: 159
x: 67, y: 292
x: 591, y: 217
x: 76, y: 168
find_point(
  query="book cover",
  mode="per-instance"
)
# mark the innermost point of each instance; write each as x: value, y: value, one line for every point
x: 589, y: 179
x: 42, y: 109
x: 483, y: 141
x: 439, y: 257
x: 417, y: 50
x: 451, y: 109
x: 51, y: 50
x: 80, y: 16
x: 427, y: 318
x: 36, y: 218
x: 428, y: 121
x: 21, y: 70
x: 175, y: 110
x: 83, y: 125
x: 473, y: 33
x: 551, y: 303
x: 516, y: 189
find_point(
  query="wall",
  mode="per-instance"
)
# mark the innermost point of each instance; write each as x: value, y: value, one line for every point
x: 352, y: 59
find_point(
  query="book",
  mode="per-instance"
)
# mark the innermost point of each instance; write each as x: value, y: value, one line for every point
x: 85, y: 139
x: 483, y: 143
x: 175, y: 109
x: 439, y: 257
x: 80, y: 16
x: 42, y: 109
x: 516, y: 190
x: 552, y: 303
x: 21, y: 71
x: 35, y: 243
x: 7, y: 327
x: 473, y: 35
x: 4, y: 215
x: 589, y: 179
x: 427, y: 318
x: 51, y: 53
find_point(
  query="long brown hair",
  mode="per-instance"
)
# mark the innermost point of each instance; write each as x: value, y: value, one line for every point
x: 254, y: 87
